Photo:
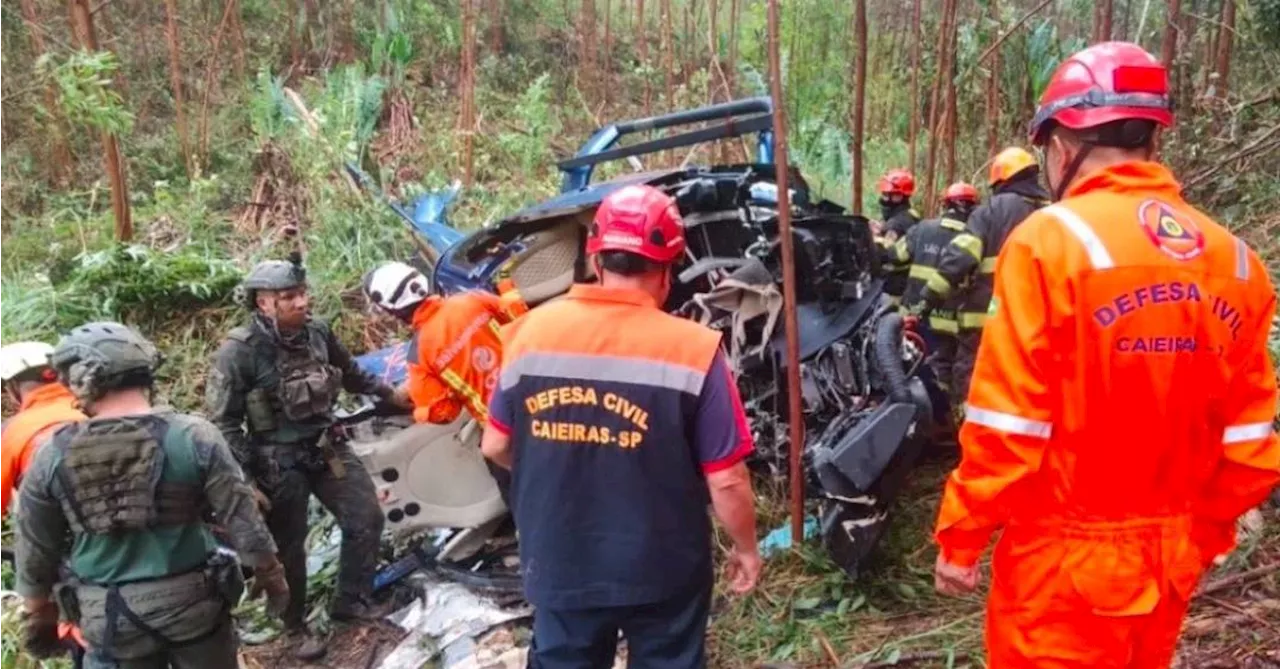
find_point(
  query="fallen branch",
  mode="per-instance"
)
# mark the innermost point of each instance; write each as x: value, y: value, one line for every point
x: 1012, y: 29
x: 1236, y: 579
x: 912, y: 658
x: 1256, y: 146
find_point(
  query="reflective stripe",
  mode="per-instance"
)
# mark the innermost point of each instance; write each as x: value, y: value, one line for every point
x: 605, y: 368
x: 1242, y: 260
x: 988, y: 265
x: 952, y: 224
x: 1093, y: 245
x: 973, y: 320
x: 947, y: 325
x: 922, y: 272
x: 970, y: 244
x: 473, y: 398
x: 938, y: 284
x: 1007, y: 422
x: 1246, y: 432
x: 495, y: 328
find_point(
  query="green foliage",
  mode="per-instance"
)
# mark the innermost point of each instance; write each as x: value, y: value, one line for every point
x: 85, y: 92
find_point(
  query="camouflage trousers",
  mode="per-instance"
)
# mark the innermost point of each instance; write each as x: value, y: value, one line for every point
x: 217, y: 651
x: 352, y: 500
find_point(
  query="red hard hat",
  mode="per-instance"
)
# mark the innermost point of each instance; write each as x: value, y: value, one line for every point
x: 961, y: 192
x: 641, y: 220
x: 897, y: 182
x: 1106, y: 82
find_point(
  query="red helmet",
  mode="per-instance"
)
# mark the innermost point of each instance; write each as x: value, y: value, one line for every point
x: 897, y: 182
x: 961, y: 192
x: 1106, y: 82
x: 641, y: 220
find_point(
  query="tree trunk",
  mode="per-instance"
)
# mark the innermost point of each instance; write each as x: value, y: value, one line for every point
x: 668, y: 52
x: 1169, y: 47
x: 859, y: 99
x: 951, y: 112
x: 993, y: 88
x: 60, y: 159
x: 587, y: 56
x: 795, y: 420
x: 1210, y: 50
x: 1124, y: 27
x: 237, y: 38
x: 941, y: 93
x: 1226, y: 32
x: 607, y: 57
x: 496, y: 27
x: 467, y: 120
x: 642, y: 36
x: 87, y: 40
x: 1102, y: 21
x: 175, y: 81
x: 913, y: 123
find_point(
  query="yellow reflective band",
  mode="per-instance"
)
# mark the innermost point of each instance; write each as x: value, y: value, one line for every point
x: 970, y: 244
x: 495, y: 328
x: 938, y: 284
x: 988, y: 265
x: 940, y: 324
x: 473, y: 398
x: 952, y: 224
x: 922, y: 272
x: 973, y: 320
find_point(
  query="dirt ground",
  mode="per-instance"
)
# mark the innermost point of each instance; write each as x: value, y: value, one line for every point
x: 350, y: 647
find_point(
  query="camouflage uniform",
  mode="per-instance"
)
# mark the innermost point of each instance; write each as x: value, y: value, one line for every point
x: 272, y: 395
x: 123, y: 499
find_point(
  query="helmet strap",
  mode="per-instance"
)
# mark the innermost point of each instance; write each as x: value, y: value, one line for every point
x: 1069, y: 174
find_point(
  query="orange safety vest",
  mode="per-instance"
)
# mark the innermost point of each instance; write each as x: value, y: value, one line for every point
x: 44, y: 408
x: 1118, y: 421
x: 455, y: 355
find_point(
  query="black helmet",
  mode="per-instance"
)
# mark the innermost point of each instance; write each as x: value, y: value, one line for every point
x: 97, y: 357
x: 273, y: 275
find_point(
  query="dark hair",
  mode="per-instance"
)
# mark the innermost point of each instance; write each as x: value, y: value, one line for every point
x: 134, y: 378
x: 1128, y: 133
x: 628, y: 264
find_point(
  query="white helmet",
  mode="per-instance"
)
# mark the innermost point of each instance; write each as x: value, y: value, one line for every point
x: 396, y: 286
x: 24, y: 356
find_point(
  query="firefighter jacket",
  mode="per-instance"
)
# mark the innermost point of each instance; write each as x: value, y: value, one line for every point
x: 454, y: 355
x: 920, y: 250
x: 898, y: 220
x: 43, y: 410
x: 966, y: 266
x: 1120, y: 414
x: 616, y: 411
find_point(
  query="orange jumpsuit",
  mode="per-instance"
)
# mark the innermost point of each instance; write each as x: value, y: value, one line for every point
x: 455, y: 354
x: 42, y: 410
x: 1119, y: 421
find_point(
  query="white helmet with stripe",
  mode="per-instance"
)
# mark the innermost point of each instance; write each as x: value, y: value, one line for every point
x: 24, y: 356
x: 396, y: 286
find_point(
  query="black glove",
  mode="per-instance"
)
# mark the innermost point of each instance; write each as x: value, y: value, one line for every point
x: 269, y: 578
x: 40, y: 631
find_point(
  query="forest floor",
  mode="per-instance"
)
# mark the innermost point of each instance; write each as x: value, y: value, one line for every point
x: 807, y: 613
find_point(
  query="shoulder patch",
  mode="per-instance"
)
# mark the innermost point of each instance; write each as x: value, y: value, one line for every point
x: 1172, y: 231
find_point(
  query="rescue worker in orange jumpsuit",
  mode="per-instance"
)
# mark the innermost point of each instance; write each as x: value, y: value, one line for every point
x: 455, y: 351
x: 1119, y: 417
x: 44, y: 406
x: 621, y: 425
x: 896, y: 188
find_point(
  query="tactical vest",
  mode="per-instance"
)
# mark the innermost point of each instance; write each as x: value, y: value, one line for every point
x: 133, y: 494
x: 606, y: 489
x: 298, y: 387
x: 927, y: 241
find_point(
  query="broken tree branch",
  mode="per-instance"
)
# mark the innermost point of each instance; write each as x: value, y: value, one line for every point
x: 1256, y: 146
x: 1236, y: 579
x: 1012, y: 29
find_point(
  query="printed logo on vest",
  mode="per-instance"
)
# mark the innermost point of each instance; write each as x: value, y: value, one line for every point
x: 1172, y: 231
